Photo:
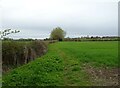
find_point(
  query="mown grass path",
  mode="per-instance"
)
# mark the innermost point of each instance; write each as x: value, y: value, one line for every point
x: 63, y: 65
x: 72, y: 73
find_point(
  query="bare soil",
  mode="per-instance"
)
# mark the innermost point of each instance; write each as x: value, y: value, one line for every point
x: 102, y: 76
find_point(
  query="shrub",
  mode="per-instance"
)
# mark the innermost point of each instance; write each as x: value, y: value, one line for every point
x: 17, y: 53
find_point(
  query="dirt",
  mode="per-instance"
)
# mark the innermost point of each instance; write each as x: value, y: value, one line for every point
x: 102, y: 76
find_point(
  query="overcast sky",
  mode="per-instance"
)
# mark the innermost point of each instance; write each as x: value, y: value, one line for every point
x: 36, y: 18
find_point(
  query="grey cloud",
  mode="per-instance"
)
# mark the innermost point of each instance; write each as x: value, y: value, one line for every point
x: 76, y: 17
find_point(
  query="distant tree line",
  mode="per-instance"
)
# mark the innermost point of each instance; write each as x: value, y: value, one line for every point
x: 96, y: 38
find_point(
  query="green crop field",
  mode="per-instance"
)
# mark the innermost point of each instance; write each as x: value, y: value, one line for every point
x: 67, y: 64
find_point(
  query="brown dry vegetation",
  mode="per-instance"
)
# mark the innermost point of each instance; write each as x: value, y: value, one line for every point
x: 103, y: 76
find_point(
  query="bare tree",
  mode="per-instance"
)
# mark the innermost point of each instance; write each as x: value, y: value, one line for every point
x: 7, y: 32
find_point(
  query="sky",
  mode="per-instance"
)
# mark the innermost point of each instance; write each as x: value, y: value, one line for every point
x: 37, y: 18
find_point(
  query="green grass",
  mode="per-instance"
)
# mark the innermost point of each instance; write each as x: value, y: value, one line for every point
x: 62, y: 65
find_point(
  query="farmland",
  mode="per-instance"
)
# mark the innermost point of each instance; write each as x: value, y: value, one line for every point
x: 69, y: 64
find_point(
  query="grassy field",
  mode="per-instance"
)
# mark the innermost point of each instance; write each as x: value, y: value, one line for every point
x: 67, y: 64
